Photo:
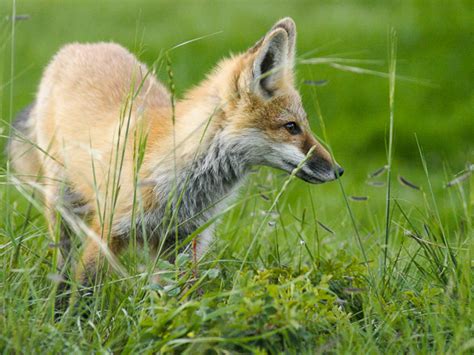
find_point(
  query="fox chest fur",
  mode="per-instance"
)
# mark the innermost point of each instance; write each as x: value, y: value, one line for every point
x: 184, y: 200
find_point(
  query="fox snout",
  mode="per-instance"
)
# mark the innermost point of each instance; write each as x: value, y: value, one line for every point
x: 320, y: 167
x: 318, y: 170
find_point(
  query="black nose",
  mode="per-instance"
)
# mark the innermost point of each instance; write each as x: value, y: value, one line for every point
x: 339, y: 170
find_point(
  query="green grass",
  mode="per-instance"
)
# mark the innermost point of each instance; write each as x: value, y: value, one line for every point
x: 346, y: 267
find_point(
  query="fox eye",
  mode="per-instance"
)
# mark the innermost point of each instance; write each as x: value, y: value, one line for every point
x: 292, y: 128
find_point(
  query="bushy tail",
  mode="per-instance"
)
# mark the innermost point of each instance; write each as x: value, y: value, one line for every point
x: 21, y: 148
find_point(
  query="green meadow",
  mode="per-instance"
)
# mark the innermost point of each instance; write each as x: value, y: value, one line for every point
x: 380, y: 261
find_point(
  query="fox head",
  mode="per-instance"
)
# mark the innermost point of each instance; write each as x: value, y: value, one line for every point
x: 266, y: 112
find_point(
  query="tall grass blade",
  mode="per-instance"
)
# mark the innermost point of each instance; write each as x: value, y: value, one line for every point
x: 388, y: 195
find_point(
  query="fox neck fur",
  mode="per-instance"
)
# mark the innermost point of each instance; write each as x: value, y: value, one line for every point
x: 188, y: 197
x: 202, y: 165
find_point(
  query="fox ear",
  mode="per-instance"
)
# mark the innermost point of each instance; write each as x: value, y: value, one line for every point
x: 274, y: 57
x: 289, y: 26
x: 270, y: 62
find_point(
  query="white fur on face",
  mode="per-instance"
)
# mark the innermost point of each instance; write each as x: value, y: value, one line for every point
x: 285, y: 156
x: 262, y: 151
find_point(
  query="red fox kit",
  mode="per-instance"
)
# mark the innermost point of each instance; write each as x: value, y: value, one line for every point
x: 104, y: 136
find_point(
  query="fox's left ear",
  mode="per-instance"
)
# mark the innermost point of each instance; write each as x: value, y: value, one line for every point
x: 273, y: 57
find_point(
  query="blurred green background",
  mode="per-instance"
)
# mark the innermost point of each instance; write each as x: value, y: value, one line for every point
x: 435, y: 41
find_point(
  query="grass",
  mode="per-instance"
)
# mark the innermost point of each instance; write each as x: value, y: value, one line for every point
x: 368, y: 264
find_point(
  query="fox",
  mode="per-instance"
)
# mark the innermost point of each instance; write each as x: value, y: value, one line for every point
x: 103, y: 133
